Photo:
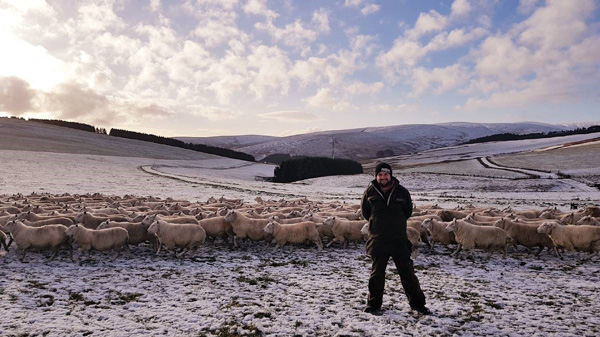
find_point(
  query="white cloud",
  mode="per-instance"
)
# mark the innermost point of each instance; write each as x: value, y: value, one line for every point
x: 215, y: 113
x: 460, y: 8
x: 32, y: 63
x: 370, y: 9
x: 154, y: 5
x: 325, y: 98
x: 293, y: 34
x: 321, y: 20
x: 359, y: 88
x: 427, y: 23
x: 527, y: 6
x: 441, y: 79
x: 558, y: 24
x: 290, y: 116
x: 269, y: 67
x: 352, y: 3
x: 259, y: 7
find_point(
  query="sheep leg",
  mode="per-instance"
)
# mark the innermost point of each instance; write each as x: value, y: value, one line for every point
x: 331, y: 242
x: 539, y: 250
x: 319, y: 245
x: 54, y: 254
x: 504, y: 249
x: 431, y: 246
x: 458, y: 248
x: 22, y: 259
x: 10, y: 241
x: 4, y: 245
x: 117, y: 255
x: 182, y: 253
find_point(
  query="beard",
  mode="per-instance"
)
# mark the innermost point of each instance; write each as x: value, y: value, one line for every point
x: 385, y: 183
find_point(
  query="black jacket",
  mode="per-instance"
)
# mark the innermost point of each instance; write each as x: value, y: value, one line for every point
x: 387, y: 215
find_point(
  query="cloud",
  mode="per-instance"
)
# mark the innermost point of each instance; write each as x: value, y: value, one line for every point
x: 290, y: 116
x: 259, y: 7
x: 269, y: 67
x: 352, y: 3
x: 16, y: 97
x: 526, y: 6
x: 215, y: 113
x: 321, y: 20
x: 358, y: 88
x: 441, y: 79
x: 427, y: 23
x: 370, y: 9
x: 460, y: 8
x: 293, y: 34
x: 325, y: 98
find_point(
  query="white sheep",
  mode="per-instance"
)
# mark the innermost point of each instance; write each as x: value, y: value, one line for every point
x: 344, y: 230
x: 188, y: 237
x: 588, y: 221
x: 91, y: 221
x: 525, y: 234
x: 3, y: 240
x: 580, y: 238
x: 245, y: 227
x: 47, y: 237
x: 294, y: 233
x: 438, y: 232
x: 472, y: 236
x: 217, y: 227
x: 138, y: 232
x: 101, y: 240
x: 150, y: 219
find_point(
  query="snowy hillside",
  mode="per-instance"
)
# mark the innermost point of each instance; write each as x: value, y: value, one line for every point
x: 363, y: 143
x: 230, y: 142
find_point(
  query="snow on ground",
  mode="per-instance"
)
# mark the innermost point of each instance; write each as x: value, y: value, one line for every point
x: 296, y: 292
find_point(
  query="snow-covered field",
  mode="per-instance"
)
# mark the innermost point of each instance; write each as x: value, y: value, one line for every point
x: 295, y: 291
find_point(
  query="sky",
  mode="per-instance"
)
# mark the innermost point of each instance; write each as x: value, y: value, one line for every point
x: 234, y: 67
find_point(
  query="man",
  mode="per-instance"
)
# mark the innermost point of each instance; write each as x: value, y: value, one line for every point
x: 387, y: 205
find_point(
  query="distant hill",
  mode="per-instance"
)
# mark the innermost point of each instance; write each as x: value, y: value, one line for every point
x: 231, y: 142
x: 22, y: 135
x: 364, y: 143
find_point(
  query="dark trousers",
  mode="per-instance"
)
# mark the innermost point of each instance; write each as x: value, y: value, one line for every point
x: 409, y: 280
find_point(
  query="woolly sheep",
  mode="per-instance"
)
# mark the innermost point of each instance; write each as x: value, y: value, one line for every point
x: 172, y: 236
x: 88, y: 220
x: 344, y: 230
x: 217, y: 227
x: 449, y: 215
x: 245, y: 227
x: 3, y: 240
x: 55, y: 221
x: 581, y: 238
x: 47, y: 237
x: 438, y: 232
x: 325, y: 231
x: 99, y: 239
x: 138, y: 232
x: 588, y: 221
x: 571, y: 218
x: 150, y: 219
x: 294, y: 233
x: 525, y: 234
x: 472, y: 236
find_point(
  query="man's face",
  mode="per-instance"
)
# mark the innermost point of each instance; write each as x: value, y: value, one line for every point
x: 383, y: 179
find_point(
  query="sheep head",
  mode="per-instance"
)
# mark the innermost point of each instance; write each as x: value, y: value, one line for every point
x: 546, y: 227
x: 451, y: 227
x: 500, y: 223
x: 231, y: 216
x: 270, y: 227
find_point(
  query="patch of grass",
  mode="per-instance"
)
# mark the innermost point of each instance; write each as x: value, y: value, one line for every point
x: 47, y: 300
x: 231, y: 330
x: 262, y: 315
x: 75, y: 297
x: 36, y: 284
x: 118, y: 298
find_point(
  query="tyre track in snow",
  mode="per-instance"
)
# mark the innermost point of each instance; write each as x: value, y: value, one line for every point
x: 152, y: 170
x: 536, y: 174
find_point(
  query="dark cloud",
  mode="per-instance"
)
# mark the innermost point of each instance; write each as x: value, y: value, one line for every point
x: 16, y: 97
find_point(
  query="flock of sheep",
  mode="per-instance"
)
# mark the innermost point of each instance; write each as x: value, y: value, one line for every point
x: 102, y: 223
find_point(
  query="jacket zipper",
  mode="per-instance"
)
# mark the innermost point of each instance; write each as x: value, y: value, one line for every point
x: 382, y: 197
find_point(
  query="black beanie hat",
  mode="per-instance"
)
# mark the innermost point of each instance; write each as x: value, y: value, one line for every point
x: 383, y: 167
